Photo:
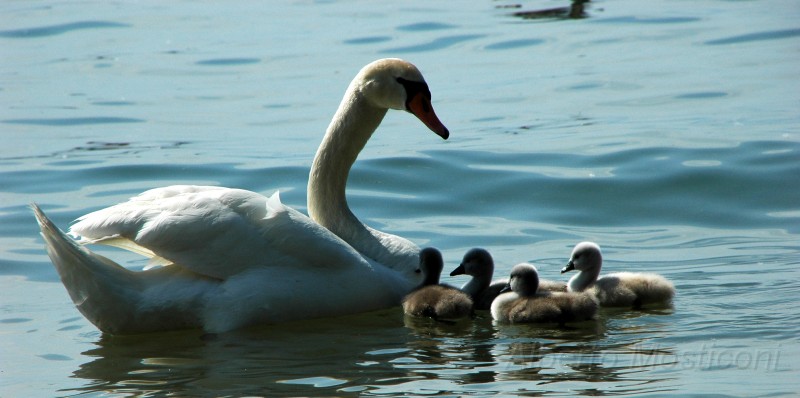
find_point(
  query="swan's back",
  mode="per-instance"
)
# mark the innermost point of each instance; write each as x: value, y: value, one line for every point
x: 632, y: 289
x: 216, y: 232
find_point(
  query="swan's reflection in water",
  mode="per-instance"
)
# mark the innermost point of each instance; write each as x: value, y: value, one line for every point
x: 376, y: 353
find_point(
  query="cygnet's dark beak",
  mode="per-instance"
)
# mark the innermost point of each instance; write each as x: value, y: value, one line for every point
x: 458, y: 271
x: 570, y: 266
x: 505, y: 289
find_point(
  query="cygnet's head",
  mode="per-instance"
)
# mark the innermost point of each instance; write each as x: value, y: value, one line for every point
x: 585, y: 256
x: 477, y: 263
x: 392, y: 83
x: 524, y: 280
x: 430, y: 264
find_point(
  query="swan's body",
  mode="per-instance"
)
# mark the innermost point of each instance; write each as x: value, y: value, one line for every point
x: 478, y: 264
x: 432, y: 299
x: 526, y: 304
x: 619, y: 289
x: 237, y: 258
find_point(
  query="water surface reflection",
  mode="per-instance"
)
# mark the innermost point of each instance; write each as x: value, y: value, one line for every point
x: 376, y: 353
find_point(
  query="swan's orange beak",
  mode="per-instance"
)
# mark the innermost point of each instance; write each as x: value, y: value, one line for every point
x: 421, y: 107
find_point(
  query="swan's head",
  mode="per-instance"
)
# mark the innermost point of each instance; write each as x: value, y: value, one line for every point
x: 477, y: 263
x: 430, y: 264
x: 392, y: 83
x: 585, y: 256
x: 524, y: 280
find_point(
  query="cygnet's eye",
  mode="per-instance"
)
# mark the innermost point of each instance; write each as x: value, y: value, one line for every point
x: 417, y: 271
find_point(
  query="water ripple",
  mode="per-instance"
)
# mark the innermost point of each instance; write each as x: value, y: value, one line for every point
x: 52, y: 30
x: 640, y: 20
x: 511, y: 44
x: 436, y: 44
x: 368, y: 40
x: 758, y: 36
x: 425, y: 26
x: 228, y: 61
x: 74, y: 121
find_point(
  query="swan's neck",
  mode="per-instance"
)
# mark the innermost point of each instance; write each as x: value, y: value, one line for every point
x: 351, y: 127
x: 584, y: 279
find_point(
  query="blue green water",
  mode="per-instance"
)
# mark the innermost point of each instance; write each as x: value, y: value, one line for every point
x: 666, y: 131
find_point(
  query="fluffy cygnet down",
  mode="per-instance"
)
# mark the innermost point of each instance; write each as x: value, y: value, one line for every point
x: 619, y: 289
x: 432, y: 299
x: 525, y: 304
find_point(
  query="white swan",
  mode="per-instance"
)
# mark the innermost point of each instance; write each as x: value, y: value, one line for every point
x: 238, y: 258
x: 432, y: 299
x: 525, y: 303
x: 619, y: 289
x: 479, y: 264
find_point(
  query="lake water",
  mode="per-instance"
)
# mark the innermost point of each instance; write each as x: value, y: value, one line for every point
x: 666, y: 131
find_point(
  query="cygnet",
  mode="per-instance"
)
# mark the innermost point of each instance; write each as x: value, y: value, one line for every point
x: 432, y: 299
x: 619, y: 289
x: 525, y: 304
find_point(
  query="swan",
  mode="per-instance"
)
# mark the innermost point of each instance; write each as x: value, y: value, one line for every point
x: 432, y: 299
x: 524, y: 303
x: 619, y: 289
x: 236, y: 258
x: 478, y: 264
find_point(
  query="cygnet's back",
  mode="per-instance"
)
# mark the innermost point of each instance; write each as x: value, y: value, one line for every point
x: 524, y: 304
x: 619, y: 289
x: 432, y: 299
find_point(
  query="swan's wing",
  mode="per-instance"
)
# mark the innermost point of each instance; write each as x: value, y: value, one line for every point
x: 214, y: 231
x: 131, y: 246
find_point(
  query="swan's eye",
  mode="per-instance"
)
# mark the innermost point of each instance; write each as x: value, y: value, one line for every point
x: 417, y: 271
x: 413, y: 89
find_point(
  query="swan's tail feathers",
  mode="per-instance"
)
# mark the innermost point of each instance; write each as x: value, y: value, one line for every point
x: 102, y: 290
